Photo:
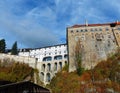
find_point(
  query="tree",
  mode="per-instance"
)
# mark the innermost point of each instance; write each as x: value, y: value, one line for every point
x: 78, y: 57
x: 14, y: 50
x: 2, y: 46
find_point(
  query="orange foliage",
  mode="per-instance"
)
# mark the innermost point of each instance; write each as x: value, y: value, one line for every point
x: 101, y: 79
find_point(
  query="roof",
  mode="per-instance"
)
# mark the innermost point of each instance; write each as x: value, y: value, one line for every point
x: 44, y: 47
x: 21, y: 84
x: 83, y: 25
x: 3, y: 82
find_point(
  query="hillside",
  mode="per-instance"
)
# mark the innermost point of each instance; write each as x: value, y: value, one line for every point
x: 104, y: 78
x: 15, y: 71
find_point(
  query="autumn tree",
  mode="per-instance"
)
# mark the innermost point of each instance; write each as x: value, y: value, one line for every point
x: 14, y: 50
x: 2, y: 46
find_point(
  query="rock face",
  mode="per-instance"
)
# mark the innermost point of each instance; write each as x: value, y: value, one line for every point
x: 95, y: 41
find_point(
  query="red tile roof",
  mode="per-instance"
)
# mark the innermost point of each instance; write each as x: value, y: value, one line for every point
x: 114, y: 23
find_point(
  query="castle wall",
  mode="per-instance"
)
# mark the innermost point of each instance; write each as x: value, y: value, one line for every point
x: 96, y: 42
x: 30, y: 61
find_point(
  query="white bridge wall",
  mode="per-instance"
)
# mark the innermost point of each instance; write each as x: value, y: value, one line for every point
x: 41, y: 54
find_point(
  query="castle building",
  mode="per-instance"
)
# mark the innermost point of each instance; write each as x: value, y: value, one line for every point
x: 50, y: 60
x: 94, y: 41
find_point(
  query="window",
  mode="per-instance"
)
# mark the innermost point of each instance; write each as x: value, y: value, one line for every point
x: 86, y: 30
x: 81, y: 30
x: 55, y: 67
x: 65, y: 56
x: 48, y: 77
x: 108, y: 43
x: 107, y: 29
x: 47, y: 58
x: 43, y: 67
x: 59, y: 57
x: 98, y: 37
x: 96, y: 29
x: 48, y: 67
x: 118, y: 28
x: 60, y: 64
x: 42, y: 76
x: 76, y: 38
x: 100, y: 29
x: 71, y: 31
x: 109, y: 36
x: 82, y: 38
x: 59, y: 52
x: 65, y: 62
x: 117, y: 34
x: 92, y: 29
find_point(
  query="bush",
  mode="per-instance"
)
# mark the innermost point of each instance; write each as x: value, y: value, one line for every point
x: 80, y: 71
x: 15, y: 72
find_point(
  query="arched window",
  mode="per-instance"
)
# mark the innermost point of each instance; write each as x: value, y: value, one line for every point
x: 58, y: 57
x: 60, y: 65
x: 55, y: 67
x: 65, y: 56
x: 43, y: 67
x: 48, y: 67
x: 42, y: 76
x: 65, y: 62
x: 47, y: 58
x: 48, y: 77
x: 98, y: 37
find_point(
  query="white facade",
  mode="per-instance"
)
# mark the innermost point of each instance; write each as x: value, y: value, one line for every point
x: 50, y: 60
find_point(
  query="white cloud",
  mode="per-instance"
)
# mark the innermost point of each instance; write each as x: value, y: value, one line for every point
x: 35, y: 25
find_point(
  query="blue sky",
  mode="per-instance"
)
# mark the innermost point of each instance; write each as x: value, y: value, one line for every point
x: 38, y: 23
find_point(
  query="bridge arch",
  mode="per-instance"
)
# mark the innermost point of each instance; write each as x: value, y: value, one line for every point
x: 48, y: 67
x: 60, y: 65
x: 43, y: 67
x: 55, y: 66
x: 42, y: 76
x: 48, y: 77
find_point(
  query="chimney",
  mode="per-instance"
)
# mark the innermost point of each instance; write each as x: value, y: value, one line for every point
x: 86, y: 23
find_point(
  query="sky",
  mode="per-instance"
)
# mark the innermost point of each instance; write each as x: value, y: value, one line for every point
x: 39, y: 23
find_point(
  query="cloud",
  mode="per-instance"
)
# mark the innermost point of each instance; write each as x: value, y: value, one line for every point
x: 27, y: 29
x: 38, y: 23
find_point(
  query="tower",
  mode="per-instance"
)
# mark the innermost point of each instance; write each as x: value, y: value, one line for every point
x: 97, y: 41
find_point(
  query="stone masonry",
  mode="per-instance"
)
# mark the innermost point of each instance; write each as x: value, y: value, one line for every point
x: 97, y: 42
